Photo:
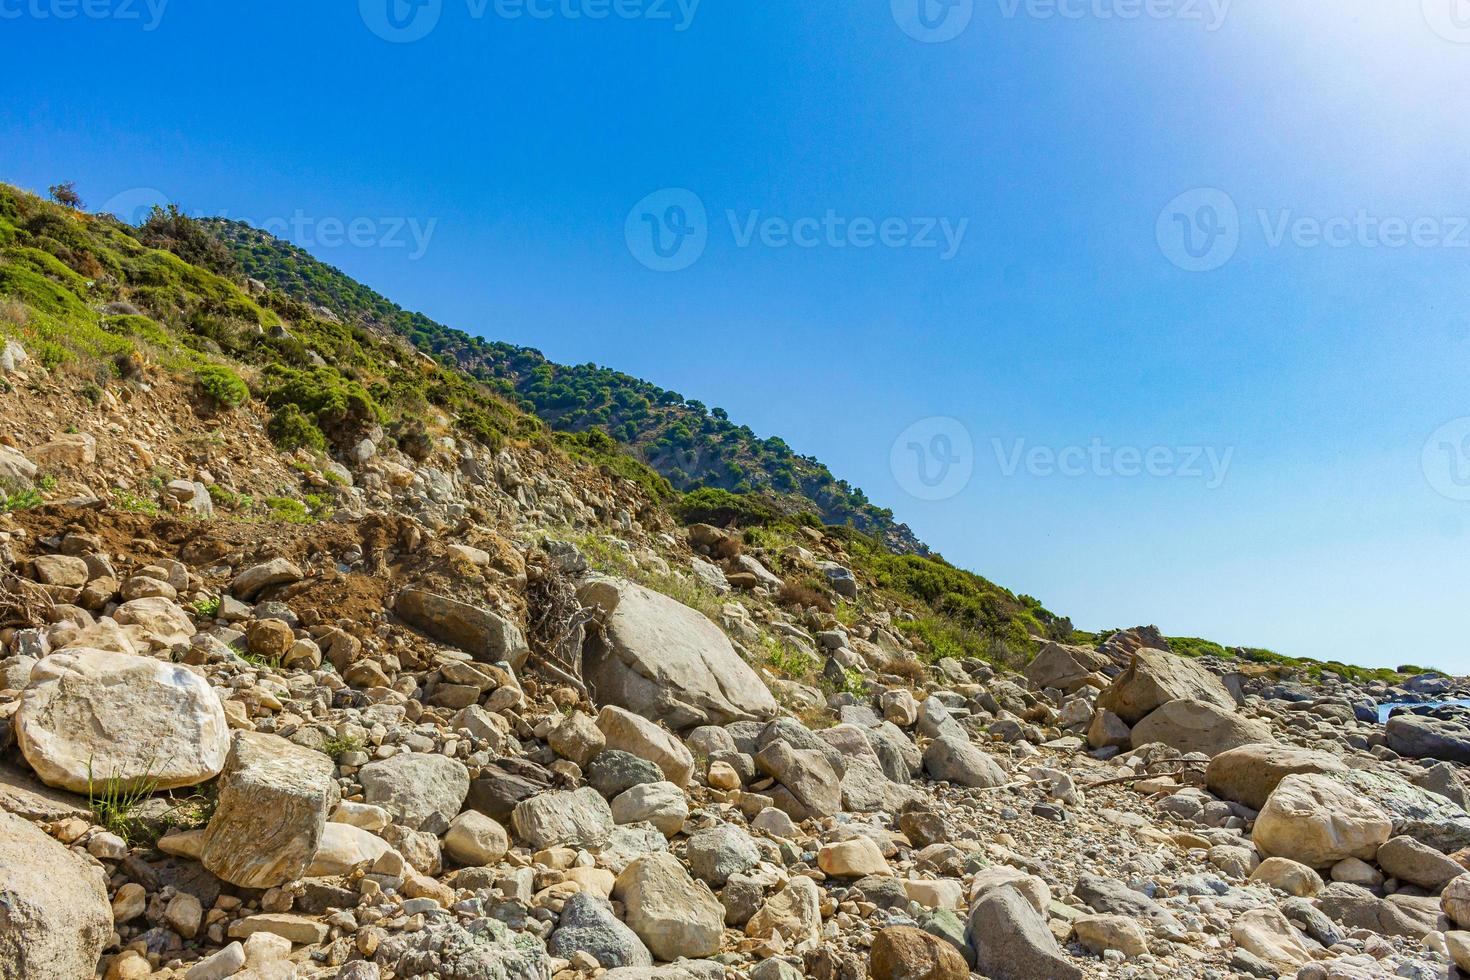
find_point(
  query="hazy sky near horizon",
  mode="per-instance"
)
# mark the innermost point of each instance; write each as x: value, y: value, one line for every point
x: 1153, y: 309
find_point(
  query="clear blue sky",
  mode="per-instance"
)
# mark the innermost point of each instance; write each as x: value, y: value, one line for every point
x: 1065, y: 316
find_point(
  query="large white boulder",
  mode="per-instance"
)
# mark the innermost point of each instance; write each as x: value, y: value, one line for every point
x: 54, y: 914
x: 1318, y: 821
x: 660, y: 659
x: 89, y: 716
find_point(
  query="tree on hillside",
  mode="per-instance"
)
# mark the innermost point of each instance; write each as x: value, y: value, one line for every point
x: 66, y: 195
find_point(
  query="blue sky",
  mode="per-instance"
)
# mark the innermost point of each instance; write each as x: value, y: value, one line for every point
x: 1312, y: 332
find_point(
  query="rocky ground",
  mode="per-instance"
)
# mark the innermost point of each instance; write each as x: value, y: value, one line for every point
x: 497, y: 716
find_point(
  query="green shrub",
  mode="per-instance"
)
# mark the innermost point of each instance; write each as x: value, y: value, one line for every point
x: 292, y: 429
x: 711, y: 505
x: 222, y: 386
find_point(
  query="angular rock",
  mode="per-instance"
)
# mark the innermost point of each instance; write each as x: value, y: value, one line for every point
x: 1064, y: 667
x: 666, y: 662
x: 475, y: 840
x: 808, y: 785
x: 905, y: 953
x: 955, y: 759
x: 1419, y: 737
x: 255, y: 580
x: 627, y: 732
x: 1266, y: 933
x: 54, y: 915
x: 89, y: 716
x: 1290, y: 876
x: 588, y: 925
x: 575, y: 818
x: 672, y: 913
x: 1198, y: 726
x: 422, y: 791
x: 795, y: 912
x: 274, y: 798
x: 719, y: 852
x: 1153, y: 678
x: 661, y: 804
x: 1012, y: 942
x: 1249, y: 773
x: 484, y: 634
x: 1418, y: 864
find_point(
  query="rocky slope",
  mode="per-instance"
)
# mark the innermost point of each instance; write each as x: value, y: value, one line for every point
x: 425, y: 699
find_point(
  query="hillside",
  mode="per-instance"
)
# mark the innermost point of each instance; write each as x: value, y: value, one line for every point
x: 692, y: 445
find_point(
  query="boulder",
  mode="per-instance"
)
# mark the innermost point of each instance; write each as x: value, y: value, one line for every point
x: 90, y: 716
x: 256, y: 579
x: 1153, y: 678
x: 1199, y: 726
x: 587, y: 924
x: 1455, y: 900
x: 627, y: 732
x: 1064, y: 667
x: 1418, y: 864
x: 1012, y: 942
x: 484, y: 634
x: 1358, y: 908
x: 666, y: 662
x: 1100, y: 933
x: 1292, y: 877
x: 809, y: 787
x: 1107, y: 730
x: 1421, y: 737
x: 661, y: 804
x: 1415, y: 812
x: 574, y: 818
x: 1249, y: 773
x: 344, y: 847
x: 475, y: 839
x: 274, y: 798
x: 1318, y: 821
x: 719, y: 852
x: 953, y: 758
x: 1266, y: 934
x: 54, y: 915
x: 672, y: 913
x: 795, y: 912
x: 423, y: 791
x: 855, y: 858
x: 905, y: 953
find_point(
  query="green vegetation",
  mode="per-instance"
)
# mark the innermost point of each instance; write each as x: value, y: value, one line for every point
x: 691, y: 445
x: 336, y: 745
x: 222, y: 386
x: 133, y: 503
x: 113, y: 802
x: 207, y: 608
x: 19, y: 499
x: 290, y: 511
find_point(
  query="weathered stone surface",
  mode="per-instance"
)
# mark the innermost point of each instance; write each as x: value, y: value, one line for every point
x: 1434, y: 738
x: 1199, y: 726
x: 344, y: 847
x: 423, y: 791
x: 274, y: 798
x: 1249, y: 773
x: 54, y: 914
x: 808, y: 785
x: 588, y: 925
x: 627, y: 732
x: 256, y: 579
x: 661, y: 804
x: 795, y: 912
x: 1266, y: 933
x: 905, y: 953
x: 1416, y: 812
x: 1154, y: 677
x: 574, y: 818
x: 672, y: 913
x: 1318, y: 821
x: 482, y: 633
x: 666, y: 662
x: 1012, y: 942
x: 954, y: 758
x: 1290, y: 876
x: 475, y: 839
x: 1101, y: 933
x: 1064, y: 667
x: 92, y: 716
x: 1418, y: 864
x: 855, y: 858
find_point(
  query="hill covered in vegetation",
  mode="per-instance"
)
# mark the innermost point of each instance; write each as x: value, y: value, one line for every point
x: 690, y: 444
